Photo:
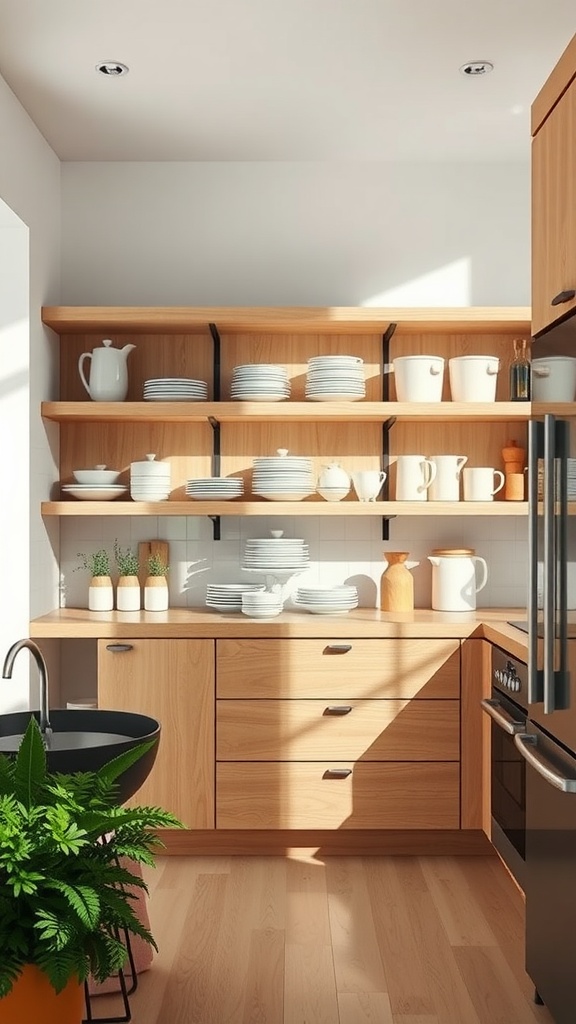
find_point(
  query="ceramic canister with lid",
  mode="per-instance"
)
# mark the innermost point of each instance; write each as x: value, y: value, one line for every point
x: 554, y: 379
x: 454, y: 581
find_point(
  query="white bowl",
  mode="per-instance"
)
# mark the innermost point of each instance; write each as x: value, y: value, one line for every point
x: 86, y: 493
x: 99, y: 476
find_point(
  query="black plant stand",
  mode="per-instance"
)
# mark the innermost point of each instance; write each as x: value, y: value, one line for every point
x: 125, y: 991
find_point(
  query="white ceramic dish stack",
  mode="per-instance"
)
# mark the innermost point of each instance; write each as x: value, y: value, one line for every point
x: 90, y: 492
x: 283, y: 478
x: 150, y: 480
x: 270, y: 554
x: 217, y: 488
x: 335, y: 379
x: 175, y: 389
x: 259, y: 382
x: 262, y: 604
x: 227, y: 597
x: 338, y: 600
x: 97, y: 477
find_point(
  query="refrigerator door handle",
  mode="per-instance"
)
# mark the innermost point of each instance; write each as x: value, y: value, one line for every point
x: 528, y: 747
x: 549, y: 574
x: 535, y: 451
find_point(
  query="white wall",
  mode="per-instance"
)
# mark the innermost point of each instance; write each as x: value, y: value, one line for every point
x: 30, y: 239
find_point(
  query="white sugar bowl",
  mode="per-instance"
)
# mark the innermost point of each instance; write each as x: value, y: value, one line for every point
x: 333, y: 482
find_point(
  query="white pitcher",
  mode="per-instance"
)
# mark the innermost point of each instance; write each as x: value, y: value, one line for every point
x: 108, y: 372
x: 414, y: 474
x: 446, y: 484
x: 454, y: 585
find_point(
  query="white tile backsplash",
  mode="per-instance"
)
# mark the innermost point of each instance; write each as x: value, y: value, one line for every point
x: 341, y: 550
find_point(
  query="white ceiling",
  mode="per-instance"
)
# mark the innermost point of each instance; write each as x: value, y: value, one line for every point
x: 282, y: 79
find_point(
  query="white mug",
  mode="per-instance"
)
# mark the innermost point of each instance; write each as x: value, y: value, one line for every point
x: 479, y: 483
x: 414, y: 474
x: 446, y: 483
x: 368, y: 483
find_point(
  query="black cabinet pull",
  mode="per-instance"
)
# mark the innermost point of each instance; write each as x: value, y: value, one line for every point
x: 337, y: 709
x: 119, y: 648
x: 563, y: 297
x: 337, y: 648
x: 337, y: 773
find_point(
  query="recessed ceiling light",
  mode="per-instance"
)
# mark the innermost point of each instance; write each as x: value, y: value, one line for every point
x: 477, y: 67
x: 112, y: 68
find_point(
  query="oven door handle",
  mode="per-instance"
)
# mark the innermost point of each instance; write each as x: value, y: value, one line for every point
x: 501, y: 717
x: 528, y: 747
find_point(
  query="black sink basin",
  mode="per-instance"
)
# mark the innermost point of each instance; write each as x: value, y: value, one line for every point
x: 84, y: 741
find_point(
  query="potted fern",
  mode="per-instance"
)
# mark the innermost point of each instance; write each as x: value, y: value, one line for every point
x: 128, y: 597
x: 156, y: 586
x: 100, y: 592
x: 63, y: 893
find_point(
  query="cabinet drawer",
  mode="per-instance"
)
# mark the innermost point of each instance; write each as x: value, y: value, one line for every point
x: 372, y: 730
x: 324, y: 668
x: 305, y: 795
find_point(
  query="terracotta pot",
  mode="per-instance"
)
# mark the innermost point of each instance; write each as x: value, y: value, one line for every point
x: 33, y: 999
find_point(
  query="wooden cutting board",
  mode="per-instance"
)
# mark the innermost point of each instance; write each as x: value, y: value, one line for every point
x: 151, y: 547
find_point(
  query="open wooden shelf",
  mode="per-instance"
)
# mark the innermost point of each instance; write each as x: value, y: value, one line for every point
x: 285, y: 508
x: 303, y: 412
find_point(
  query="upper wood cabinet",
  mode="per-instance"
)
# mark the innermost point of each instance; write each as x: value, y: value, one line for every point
x: 554, y: 195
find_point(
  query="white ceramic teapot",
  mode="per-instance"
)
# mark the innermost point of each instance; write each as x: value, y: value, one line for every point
x: 108, y: 372
x: 333, y: 482
x: 454, y: 584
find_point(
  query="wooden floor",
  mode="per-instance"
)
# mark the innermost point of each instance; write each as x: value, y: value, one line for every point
x: 348, y: 940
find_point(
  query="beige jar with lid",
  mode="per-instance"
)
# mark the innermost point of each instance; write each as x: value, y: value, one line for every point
x: 454, y: 579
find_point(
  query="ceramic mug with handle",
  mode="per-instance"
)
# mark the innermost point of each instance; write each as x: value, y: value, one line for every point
x: 479, y: 483
x: 368, y: 483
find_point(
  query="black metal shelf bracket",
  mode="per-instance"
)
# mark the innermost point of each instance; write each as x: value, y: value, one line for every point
x: 387, y: 424
x: 216, y: 527
x: 216, y: 531
x: 215, y: 362
x: 386, y: 339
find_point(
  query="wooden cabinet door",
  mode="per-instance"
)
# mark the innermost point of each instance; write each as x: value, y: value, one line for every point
x: 554, y: 212
x: 173, y: 681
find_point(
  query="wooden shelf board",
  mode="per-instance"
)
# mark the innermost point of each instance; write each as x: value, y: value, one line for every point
x: 284, y: 508
x: 284, y: 320
x: 307, y: 412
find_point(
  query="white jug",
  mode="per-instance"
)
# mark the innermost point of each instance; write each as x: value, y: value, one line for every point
x: 454, y: 585
x: 108, y: 372
x: 414, y: 474
x: 446, y: 484
x: 368, y: 483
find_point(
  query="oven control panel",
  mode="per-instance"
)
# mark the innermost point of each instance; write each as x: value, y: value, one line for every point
x: 509, y: 675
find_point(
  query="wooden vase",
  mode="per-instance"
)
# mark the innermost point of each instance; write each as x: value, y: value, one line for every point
x: 397, y: 584
x: 33, y: 999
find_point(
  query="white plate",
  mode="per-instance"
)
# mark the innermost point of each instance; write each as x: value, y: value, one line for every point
x: 334, y: 398
x: 87, y: 493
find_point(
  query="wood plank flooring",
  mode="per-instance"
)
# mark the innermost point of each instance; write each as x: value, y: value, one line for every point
x: 348, y: 940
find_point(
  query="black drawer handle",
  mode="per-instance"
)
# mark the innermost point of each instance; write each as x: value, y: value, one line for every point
x: 119, y: 648
x: 337, y: 709
x: 337, y: 648
x: 337, y: 773
x: 563, y: 297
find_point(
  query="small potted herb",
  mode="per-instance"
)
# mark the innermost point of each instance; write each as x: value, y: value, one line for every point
x: 128, y: 594
x: 100, y: 592
x: 156, y: 586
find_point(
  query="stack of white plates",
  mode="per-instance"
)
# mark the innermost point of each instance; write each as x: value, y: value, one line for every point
x: 268, y: 553
x: 216, y: 488
x: 94, y: 492
x: 327, y: 600
x: 150, y: 480
x: 175, y: 389
x: 227, y: 597
x: 286, y: 478
x: 335, y: 379
x: 261, y: 604
x: 259, y: 382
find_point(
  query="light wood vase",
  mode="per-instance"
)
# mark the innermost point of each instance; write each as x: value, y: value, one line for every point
x: 156, y: 594
x: 397, y: 584
x: 514, y: 459
x: 128, y: 596
x: 33, y: 999
x: 100, y: 594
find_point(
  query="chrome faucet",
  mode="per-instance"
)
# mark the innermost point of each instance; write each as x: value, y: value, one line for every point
x: 42, y: 669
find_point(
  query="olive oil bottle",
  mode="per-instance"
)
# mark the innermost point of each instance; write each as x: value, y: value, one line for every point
x: 520, y: 372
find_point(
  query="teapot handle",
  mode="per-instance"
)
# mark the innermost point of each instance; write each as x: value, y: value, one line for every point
x: 85, y: 355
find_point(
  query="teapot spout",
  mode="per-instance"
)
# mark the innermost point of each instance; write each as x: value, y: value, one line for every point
x: 127, y: 350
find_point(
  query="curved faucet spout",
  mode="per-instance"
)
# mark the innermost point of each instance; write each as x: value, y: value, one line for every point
x: 42, y: 669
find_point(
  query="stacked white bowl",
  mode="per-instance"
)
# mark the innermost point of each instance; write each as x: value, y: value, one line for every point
x: 338, y: 600
x: 259, y: 382
x: 227, y: 597
x: 149, y: 480
x: 215, y: 488
x: 98, y: 484
x: 267, y: 554
x: 175, y: 389
x: 262, y: 604
x: 335, y: 379
x: 283, y: 478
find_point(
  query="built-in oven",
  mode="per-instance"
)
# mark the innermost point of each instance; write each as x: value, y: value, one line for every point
x: 507, y: 710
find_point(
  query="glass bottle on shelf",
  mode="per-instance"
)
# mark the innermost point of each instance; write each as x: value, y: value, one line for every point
x: 520, y: 372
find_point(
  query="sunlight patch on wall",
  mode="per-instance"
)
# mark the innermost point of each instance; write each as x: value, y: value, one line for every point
x: 449, y: 285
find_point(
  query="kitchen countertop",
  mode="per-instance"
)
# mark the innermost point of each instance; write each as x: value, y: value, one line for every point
x: 488, y: 623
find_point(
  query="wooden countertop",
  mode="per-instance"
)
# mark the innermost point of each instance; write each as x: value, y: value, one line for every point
x: 490, y: 623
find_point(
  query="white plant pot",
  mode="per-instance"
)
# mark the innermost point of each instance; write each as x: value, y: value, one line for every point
x: 156, y: 594
x: 128, y: 594
x: 100, y: 594
x: 418, y: 378
x: 473, y: 378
